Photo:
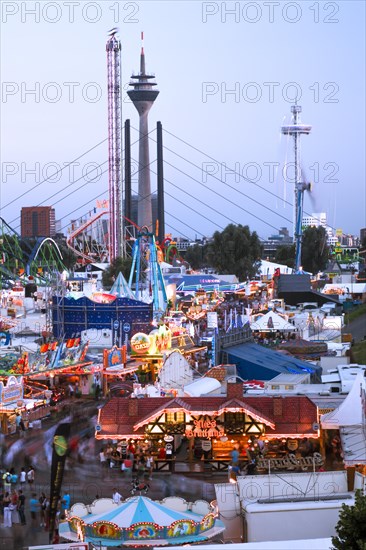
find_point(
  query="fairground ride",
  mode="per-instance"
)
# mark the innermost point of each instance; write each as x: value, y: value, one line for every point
x: 19, y: 257
x: 89, y: 241
x: 146, y: 278
x: 296, y: 129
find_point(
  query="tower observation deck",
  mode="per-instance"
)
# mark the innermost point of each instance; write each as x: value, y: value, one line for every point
x: 143, y: 96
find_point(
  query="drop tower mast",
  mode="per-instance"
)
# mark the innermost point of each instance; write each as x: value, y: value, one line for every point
x: 113, y: 48
x: 296, y: 129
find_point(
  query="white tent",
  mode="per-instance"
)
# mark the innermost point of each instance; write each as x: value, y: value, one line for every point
x: 268, y: 268
x: 270, y: 322
x: 350, y: 419
x: 202, y: 386
x: 351, y: 411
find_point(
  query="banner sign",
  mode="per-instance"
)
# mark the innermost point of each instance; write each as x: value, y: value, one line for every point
x: 60, y: 448
x: 211, y: 319
x: 290, y: 462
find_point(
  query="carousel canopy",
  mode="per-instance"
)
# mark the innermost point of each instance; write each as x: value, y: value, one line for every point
x: 141, y: 509
x: 139, y: 521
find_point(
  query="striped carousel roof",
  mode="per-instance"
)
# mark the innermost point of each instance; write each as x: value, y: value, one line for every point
x: 141, y: 509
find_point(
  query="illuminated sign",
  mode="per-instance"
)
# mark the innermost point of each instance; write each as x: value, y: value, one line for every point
x: 205, y: 428
x: 12, y: 392
x: 114, y: 356
x: 154, y: 343
x: 140, y: 343
x: 290, y: 461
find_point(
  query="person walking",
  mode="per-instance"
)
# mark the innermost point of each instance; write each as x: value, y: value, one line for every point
x: 14, y: 506
x: 46, y: 506
x: 150, y: 465
x: 42, y: 502
x: 30, y: 476
x: 7, y: 510
x: 14, y: 478
x: 21, y: 507
x: 116, y: 496
x: 22, y: 478
x: 34, y: 507
x: 103, y: 458
x: 7, y: 481
x: 65, y: 504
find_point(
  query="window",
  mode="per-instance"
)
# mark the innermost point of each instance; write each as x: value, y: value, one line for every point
x: 289, y: 387
x: 175, y: 418
x: 275, y: 387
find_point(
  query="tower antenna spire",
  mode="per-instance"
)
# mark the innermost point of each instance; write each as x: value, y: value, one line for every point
x: 143, y: 96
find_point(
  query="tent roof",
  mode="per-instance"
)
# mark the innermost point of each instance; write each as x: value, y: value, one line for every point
x: 202, y: 386
x: 253, y: 356
x: 268, y: 268
x: 271, y: 321
x: 120, y: 288
x: 141, y: 509
x: 350, y: 411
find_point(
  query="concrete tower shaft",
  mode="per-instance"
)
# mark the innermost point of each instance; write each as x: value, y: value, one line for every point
x: 143, y: 96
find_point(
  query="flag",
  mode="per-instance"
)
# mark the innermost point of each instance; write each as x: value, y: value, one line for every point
x: 60, y: 448
x: 240, y: 321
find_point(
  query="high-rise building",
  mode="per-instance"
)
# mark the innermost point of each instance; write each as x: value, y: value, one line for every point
x: 318, y: 219
x: 38, y: 221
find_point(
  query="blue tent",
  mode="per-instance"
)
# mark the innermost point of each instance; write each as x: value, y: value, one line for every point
x: 257, y: 362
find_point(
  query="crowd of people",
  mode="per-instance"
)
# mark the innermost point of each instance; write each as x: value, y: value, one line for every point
x: 20, y: 503
x: 128, y: 458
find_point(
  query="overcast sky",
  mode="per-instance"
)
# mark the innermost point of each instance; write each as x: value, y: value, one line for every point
x: 227, y: 72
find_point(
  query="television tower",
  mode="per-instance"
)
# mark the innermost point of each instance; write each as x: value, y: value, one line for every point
x: 295, y: 130
x: 143, y: 96
x: 113, y: 48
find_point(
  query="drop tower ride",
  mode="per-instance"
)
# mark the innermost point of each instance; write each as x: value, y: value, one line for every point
x: 113, y: 47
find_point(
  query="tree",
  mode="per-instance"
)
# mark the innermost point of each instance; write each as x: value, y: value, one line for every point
x: 351, y: 527
x: 68, y: 256
x: 195, y: 256
x: 285, y: 255
x: 235, y: 250
x: 315, y: 251
x: 119, y: 265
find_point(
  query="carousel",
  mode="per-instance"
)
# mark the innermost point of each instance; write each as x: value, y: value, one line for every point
x: 140, y: 521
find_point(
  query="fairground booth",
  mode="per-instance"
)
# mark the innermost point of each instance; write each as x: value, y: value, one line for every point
x: 210, y: 428
x: 17, y: 398
x: 152, y: 349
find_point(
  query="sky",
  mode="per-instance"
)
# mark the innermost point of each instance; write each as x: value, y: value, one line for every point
x: 227, y: 72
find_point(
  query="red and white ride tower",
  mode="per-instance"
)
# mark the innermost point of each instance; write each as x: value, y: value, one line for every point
x: 113, y: 48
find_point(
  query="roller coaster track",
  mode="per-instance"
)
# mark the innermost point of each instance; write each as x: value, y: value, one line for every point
x: 17, y: 256
x: 100, y: 253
